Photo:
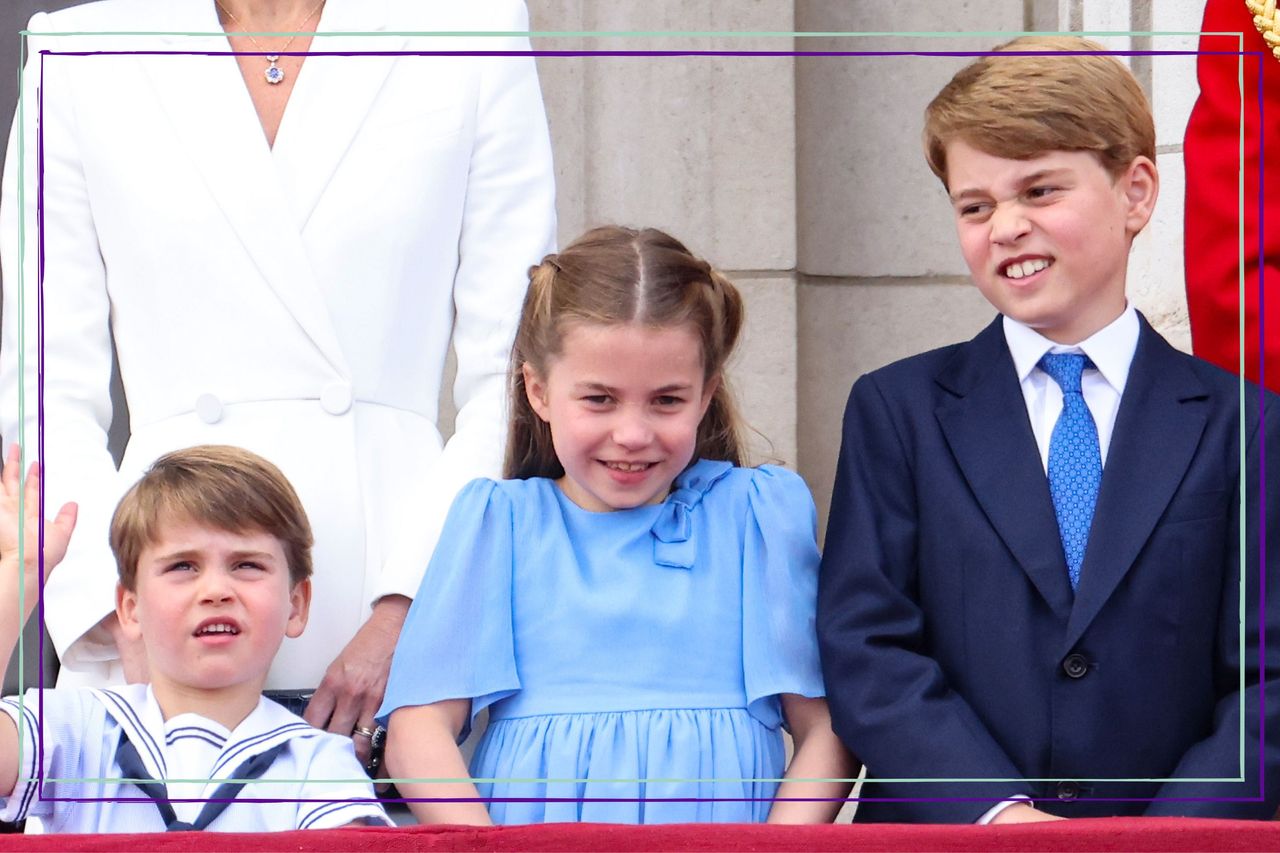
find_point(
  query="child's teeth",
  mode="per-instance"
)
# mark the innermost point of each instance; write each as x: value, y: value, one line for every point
x: 1026, y: 268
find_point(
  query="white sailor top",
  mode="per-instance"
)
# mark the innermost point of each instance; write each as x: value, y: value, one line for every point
x: 72, y: 778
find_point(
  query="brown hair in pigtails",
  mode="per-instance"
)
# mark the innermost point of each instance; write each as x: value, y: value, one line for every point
x: 720, y: 433
x: 615, y: 276
x: 530, y: 452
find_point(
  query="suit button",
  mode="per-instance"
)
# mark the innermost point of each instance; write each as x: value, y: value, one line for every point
x: 1068, y: 790
x: 335, y: 398
x: 1076, y: 666
x: 208, y: 408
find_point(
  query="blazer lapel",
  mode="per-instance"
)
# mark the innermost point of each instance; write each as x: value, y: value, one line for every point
x: 1155, y: 438
x: 332, y: 97
x: 989, y: 433
x: 206, y: 102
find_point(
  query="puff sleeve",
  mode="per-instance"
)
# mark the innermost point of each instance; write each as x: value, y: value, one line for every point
x: 779, y: 593
x: 457, y: 640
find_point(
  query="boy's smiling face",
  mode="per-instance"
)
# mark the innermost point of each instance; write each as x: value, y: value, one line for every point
x: 1047, y: 239
x: 212, y: 608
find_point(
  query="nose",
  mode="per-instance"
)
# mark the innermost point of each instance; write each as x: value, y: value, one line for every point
x: 215, y: 587
x: 1008, y: 223
x: 632, y: 430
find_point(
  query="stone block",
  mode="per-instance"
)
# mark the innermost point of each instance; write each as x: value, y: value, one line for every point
x: 701, y: 146
x: 1111, y: 16
x: 762, y: 373
x: 848, y: 328
x: 866, y: 197
x: 1156, y: 284
x: 1173, y: 78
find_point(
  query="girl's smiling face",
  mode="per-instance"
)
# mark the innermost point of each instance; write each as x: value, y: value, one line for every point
x: 623, y: 403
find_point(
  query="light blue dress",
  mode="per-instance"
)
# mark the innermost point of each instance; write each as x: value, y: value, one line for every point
x: 631, y: 661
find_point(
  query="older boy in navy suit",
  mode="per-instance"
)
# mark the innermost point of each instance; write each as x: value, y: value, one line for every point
x: 1035, y: 585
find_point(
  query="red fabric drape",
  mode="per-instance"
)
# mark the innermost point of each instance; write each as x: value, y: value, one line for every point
x: 1213, y: 227
x: 1136, y: 834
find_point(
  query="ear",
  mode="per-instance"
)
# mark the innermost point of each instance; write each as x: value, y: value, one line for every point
x: 708, y: 394
x: 127, y: 611
x: 535, y: 389
x: 1141, y: 186
x: 299, y: 608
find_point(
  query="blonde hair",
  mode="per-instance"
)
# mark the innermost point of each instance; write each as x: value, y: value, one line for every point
x: 1065, y: 96
x: 614, y: 275
x: 225, y: 487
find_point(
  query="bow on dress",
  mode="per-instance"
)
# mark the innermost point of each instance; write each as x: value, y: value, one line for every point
x: 674, y: 545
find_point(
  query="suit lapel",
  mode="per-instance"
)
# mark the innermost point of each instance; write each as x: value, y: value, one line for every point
x: 331, y: 99
x: 987, y: 428
x: 205, y: 101
x: 1155, y: 438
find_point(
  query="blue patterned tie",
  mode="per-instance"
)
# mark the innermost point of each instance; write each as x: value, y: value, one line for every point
x: 1075, y: 462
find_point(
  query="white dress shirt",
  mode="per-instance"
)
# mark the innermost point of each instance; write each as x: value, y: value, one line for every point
x: 1110, y: 349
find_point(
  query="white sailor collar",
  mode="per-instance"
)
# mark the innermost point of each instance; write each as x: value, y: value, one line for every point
x: 134, y: 708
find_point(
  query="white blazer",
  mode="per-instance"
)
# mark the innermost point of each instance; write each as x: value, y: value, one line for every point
x: 298, y: 301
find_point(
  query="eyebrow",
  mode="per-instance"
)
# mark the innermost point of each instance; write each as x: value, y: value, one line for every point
x: 1022, y: 184
x: 601, y: 387
x: 193, y: 553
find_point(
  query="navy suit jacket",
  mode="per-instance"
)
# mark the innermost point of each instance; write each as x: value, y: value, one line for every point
x: 953, y: 646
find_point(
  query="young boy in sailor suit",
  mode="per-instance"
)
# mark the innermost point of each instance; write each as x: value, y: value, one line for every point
x: 213, y: 552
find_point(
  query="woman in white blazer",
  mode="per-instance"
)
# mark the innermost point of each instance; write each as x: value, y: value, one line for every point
x: 297, y: 299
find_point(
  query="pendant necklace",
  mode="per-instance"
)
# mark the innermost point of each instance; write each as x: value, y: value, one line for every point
x: 274, y: 74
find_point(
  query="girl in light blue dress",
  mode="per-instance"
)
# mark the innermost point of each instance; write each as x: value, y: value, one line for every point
x: 634, y: 609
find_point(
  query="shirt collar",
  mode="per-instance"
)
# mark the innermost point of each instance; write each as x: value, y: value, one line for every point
x: 1111, y: 348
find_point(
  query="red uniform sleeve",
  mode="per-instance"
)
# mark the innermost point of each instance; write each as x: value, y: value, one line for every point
x: 1213, y: 224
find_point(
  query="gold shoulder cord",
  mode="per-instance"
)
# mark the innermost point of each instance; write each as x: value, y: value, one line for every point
x: 1264, y: 18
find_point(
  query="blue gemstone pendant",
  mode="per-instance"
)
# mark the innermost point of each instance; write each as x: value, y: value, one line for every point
x: 274, y: 73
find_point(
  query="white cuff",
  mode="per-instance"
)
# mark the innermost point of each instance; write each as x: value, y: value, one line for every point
x: 990, y: 814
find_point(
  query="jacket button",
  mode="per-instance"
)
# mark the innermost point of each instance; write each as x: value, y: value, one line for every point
x: 1068, y: 790
x: 336, y: 398
x: 208, y: 408
x: 1076, y: 666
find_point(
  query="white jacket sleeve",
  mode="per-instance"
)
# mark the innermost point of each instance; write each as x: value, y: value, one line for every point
x: 55, y: 345
x: 508, y: 225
